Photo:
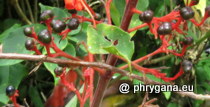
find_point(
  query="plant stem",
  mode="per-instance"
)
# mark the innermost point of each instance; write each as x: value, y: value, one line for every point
x: 111, y: 60
x: 35, y: 10
x: 29, y: 10
x: 154, y: 61
x: 20, y: 12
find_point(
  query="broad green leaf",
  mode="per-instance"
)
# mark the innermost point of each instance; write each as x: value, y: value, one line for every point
x: 115, y: 14
x: 79, y: 35
x: 9, y: 22
x: 15, y: 43
x: 142, y: 5
x: 70, y: 50
x: 8, y: 76
x: 50, y: 67
x: 167, y: 95
x: 58, y: 12
x: 6, y: 32
x: 98, y: 44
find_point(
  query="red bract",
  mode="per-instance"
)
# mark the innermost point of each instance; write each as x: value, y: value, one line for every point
x: 73, y: 4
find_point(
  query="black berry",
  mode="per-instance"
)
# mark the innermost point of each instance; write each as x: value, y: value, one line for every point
x: 45, y: 36
x: 45, y: 15
x: 207, y: 10
x: 28, y: 31
x: 188, y: 41
x: 29, y: 44
x: 10, y: 91
x: 146, y: 16
x: 187, y: 65
x: 58, y: 71
x: 58, y: 26
x: 187, y: 13
x: 165, y: 28
x: 72, y: 11
x: 73, y: 23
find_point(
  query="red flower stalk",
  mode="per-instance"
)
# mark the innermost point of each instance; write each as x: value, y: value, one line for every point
x: 13, y: 98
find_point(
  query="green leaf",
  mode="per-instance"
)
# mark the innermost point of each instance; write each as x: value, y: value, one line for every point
x: 115, y: 15
x: 117, y: 11
x: 35, y: 97
x: 142, y: 5
x: 173, y: 105
x: 6, y: 32
x: 58, y: 12
x: 98, y: 44
x: 50, y: 67
x: 70, y: 49
x: 9, y: 22
x: 8, y: 76
x: 15, y: 43
x: 167, y: 95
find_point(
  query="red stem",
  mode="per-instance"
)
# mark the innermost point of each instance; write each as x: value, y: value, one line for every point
x: 13, y: 98
x: 36, y: 50
x: 145, y: 57
x: 175, y: 77
x: 71, y: 87
x: 108, y: 11
x: 137, y: 27
x: 134, y: 10
x: 203, y: 20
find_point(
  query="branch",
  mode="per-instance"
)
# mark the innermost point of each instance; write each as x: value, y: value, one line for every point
x: 20, y: 12
x: 194, y: 96
x: 44, y: 58
x: 95, y: 64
